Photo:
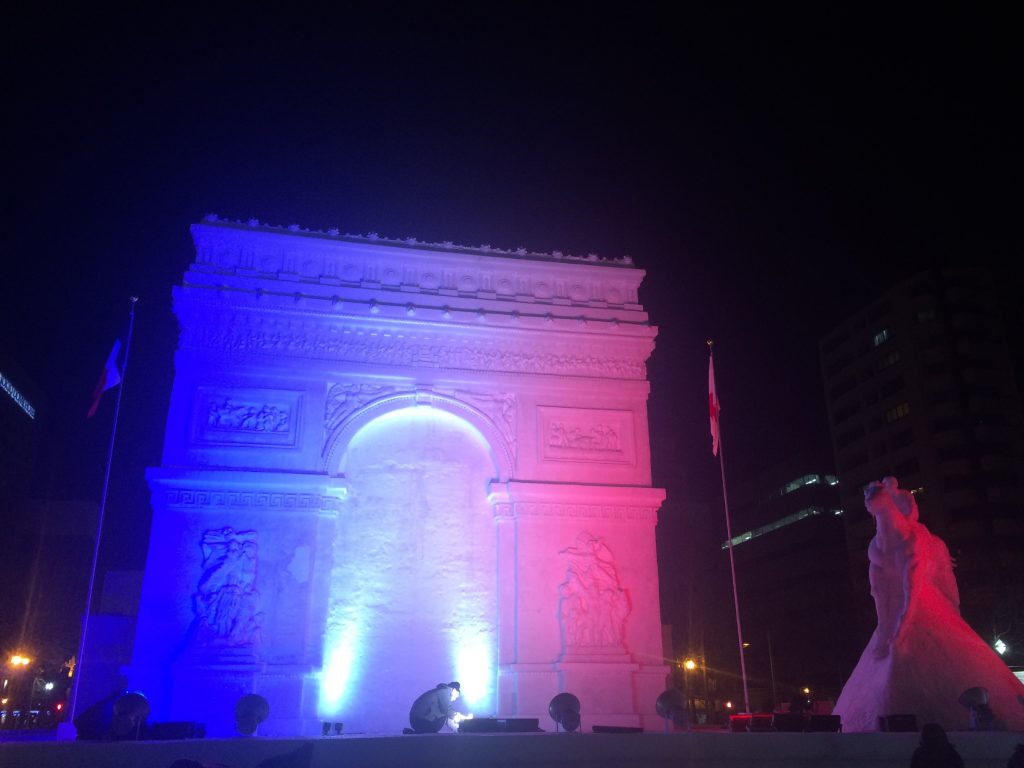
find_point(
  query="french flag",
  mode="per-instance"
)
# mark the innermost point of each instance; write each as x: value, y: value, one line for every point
x: 110, y: 377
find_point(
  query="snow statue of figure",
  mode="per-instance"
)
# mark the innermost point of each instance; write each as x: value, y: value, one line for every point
x: 225, y: 600
x: 593, y: 606
x: 922, y: 655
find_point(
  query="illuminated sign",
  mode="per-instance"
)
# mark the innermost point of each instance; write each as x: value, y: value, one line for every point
x: 16, y: 396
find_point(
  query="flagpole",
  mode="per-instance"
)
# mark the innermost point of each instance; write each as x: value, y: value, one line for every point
x: 77, y: 674
x: 728, y: 540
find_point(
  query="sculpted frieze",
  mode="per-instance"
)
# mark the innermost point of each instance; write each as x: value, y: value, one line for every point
x: 345, y: 398
x: 252, y: 335
x: 246, y: 416
x: 500, y: 407
x: 585, y: 434
x: 259, y: 500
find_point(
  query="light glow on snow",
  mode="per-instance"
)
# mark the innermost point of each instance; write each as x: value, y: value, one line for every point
x: 473, y: 662
x: 342, y: 658
x: 413, y: 585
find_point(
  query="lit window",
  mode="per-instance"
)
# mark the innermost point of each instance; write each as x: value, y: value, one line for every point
x: 881, y: 337
x: 895, y: 414
x: 17, y: 397
x: 774, y: 526
x: 797, y: 484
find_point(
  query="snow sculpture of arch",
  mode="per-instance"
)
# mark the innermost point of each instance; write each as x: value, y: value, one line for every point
x: 530, y: 370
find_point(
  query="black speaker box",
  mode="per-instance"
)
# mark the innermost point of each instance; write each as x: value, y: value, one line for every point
x: 824, y: 724
x: 788, y: 721
x: 616, y: 729
x: 174, y: 730
x: 500, y: 725
x: 898, y: 723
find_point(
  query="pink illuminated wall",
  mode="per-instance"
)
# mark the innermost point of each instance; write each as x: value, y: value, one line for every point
x: 392, y: 464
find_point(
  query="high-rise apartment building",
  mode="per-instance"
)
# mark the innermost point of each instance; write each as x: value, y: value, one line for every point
x: 793, y: 580
x: 920, y: 385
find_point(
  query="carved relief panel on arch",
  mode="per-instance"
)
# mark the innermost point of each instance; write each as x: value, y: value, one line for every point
x: 246, y: 416
x: 226, y: 603
x: 593, y: 606
x: 586, y: 434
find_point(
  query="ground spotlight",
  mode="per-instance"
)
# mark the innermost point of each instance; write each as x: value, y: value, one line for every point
x: 565, y: 711
x: 250, y: 710
x: 976, y: 700
x: 130, y: 713
x: 671, y: 705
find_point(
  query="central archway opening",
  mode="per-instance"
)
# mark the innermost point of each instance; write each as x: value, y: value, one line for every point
x: 413, y: 593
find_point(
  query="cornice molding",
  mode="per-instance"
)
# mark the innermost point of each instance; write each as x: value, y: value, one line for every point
x: 295, y: 255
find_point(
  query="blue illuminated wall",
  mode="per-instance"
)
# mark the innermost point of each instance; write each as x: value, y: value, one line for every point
x: 393, y: 464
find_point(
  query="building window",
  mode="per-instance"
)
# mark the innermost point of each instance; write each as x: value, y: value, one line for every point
x: 880, y: 338
x: 889, y: 360
x: 895, y: 414
x: 774, y: 526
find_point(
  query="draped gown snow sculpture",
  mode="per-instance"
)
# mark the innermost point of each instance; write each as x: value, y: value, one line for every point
x: 922, y: 655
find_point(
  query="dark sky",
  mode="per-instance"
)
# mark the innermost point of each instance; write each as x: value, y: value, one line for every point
x: 770, y: 170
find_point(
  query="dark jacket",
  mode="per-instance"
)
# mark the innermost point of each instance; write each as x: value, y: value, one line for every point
x: 430, y: 710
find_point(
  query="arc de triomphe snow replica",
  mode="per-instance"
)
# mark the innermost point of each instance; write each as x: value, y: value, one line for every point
x: 390, y: 464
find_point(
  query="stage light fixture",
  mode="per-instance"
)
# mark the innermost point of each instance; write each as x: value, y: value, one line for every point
x: 670, y: 704
x: 325, y: 729
x: 130, y: 713
x: 339, y: 728
x: 565, y: 711
x: 251, y: 709
x: 976, y: 700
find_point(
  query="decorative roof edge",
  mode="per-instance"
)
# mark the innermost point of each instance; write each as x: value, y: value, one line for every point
x: 412, y: 242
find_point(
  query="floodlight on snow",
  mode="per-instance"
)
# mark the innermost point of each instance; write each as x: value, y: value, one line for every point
x: 565, y: 711
x: 976, y: 700
x: 250, y: 710
x: 671, y: 704
x: 130, y: 713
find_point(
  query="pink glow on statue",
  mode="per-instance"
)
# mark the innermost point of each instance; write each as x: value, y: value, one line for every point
x: 922, y: 655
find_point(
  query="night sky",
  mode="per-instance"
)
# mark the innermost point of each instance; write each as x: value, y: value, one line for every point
x: 770, y: 170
